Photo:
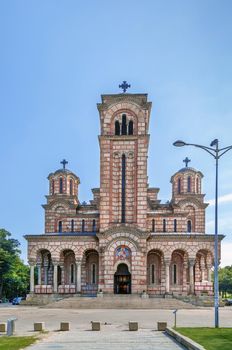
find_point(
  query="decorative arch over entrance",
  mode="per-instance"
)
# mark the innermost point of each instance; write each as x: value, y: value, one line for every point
x: 122, y: 280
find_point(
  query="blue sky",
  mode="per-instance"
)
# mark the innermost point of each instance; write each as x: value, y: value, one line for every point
x: 58, y: 57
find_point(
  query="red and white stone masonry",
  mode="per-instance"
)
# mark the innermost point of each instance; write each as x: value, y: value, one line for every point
x: 124, y: 240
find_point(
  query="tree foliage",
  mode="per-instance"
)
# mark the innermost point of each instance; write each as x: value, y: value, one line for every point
x: 225, y: 280
x: 14, y: 275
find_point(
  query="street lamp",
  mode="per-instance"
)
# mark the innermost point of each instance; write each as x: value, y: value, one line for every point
x: 214, y: 151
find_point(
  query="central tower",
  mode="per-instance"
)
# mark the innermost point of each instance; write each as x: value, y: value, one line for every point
x: 124, y: 144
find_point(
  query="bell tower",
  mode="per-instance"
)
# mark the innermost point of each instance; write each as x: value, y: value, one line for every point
x: 124, y: 141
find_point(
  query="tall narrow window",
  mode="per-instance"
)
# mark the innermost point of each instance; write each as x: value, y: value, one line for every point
x: 189, y: 226
x: 61, y: 185
x: 164, y: 225
x: 60, y: 226
x: 174, y: 274
x: 123, y: 188
x: 117, y: 128
x: 71, y: 187
x: 72, y: 225
x: 197, y: 185
x: 175, y: 225
x: 53, y: 186
x: 152, y: 273
x: 189, y: 184
x: 153, y: 225
x: 130, y: 127
x: 83, y: 226
x: 124, y: 126
x: 71, y: 273
x: 179, y: 186
x: 93, y: 277
x: 94, y: 225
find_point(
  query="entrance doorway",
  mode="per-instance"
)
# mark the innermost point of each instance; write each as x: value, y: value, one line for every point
x: 122, y: 280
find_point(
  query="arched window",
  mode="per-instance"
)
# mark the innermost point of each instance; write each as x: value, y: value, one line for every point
x: 175, y: 225
x: 61, y: 185
x: 124, y: 125
x: 93, y: 273
x: 53, y: 186
x: 72, y: 273
x: 179, y: 185
x: 71, y: 187
x: 117, y: 128
x: 189, y: 184
x: 123, y: 198
x: 130, y: 127
x: 153, y: 225
x: 60, y: 226
x: 72, y: 225
x: 189, y: 226
x: 164, y: 225
x: 94, y: 225
x: 83, y: 226
x: 152, y: 270
x: 174, y: 273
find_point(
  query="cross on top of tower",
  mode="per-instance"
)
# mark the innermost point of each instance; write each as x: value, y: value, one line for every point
x: 124, y: 86
x: 64, y: 162
x: 186, y: 161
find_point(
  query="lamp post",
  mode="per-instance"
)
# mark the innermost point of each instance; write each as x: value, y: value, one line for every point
x: 217, y: 153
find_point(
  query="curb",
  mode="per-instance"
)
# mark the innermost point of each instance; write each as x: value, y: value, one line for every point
x: 185, y: 341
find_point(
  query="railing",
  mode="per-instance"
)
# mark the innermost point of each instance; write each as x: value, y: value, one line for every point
x: 43, y: 289
x: 67, y: 289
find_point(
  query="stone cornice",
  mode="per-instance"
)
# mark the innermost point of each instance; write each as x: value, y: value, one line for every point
x: 60, y: 237
x: 109, y: 100
x: 184, y: 237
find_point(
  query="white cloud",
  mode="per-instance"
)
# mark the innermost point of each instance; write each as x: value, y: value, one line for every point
x: 226, y: 254
x: 222, y: 199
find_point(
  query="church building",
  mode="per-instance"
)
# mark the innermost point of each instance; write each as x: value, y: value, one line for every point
x: 123, y: 241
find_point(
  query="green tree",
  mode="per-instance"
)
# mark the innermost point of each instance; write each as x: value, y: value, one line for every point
x: 225, y: 281
x: 14, y: 275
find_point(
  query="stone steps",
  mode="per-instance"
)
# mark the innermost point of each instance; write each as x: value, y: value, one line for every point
x: 118, y: 302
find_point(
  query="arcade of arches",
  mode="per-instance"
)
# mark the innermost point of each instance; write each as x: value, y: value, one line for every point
x: 157, y: 272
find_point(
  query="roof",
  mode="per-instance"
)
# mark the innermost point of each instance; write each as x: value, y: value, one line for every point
x: 187, y: 169
x: 63, y: 171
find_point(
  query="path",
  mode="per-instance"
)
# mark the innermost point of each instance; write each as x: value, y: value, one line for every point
x: 107, y: 340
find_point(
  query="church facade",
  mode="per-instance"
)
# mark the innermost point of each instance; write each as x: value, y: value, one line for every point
x: 124, y: 240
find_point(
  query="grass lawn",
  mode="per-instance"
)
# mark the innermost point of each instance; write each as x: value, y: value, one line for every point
x: 15, y: 343
x: 210, y: 338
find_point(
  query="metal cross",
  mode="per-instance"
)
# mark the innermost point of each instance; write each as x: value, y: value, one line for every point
x: 186, y: 161
x: 124, y: 86
x: 64, y: 162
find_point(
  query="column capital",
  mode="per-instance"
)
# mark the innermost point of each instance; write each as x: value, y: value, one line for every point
x: 191, y: 261
x: 78, y: 262
x: 31, y: 262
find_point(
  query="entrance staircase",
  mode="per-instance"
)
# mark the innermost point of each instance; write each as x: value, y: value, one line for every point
x: 119, y: 302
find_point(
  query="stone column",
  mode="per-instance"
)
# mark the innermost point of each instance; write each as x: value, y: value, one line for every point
x: 209, y: 273
x: 167, y: 275
x: 78, y: 280
x: 39, y: 274
x: 101, y: 269
x: 32, y: 277
x: 191, y: 275
x: 55, y: 287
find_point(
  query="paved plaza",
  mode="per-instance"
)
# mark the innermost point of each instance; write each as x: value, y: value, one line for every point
x: 114, y: 332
